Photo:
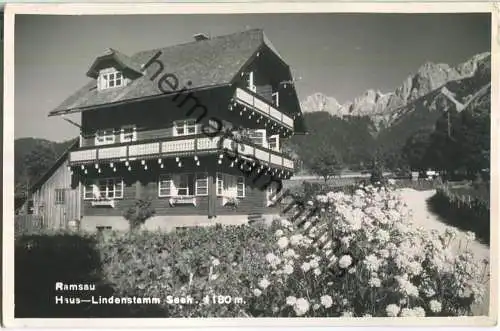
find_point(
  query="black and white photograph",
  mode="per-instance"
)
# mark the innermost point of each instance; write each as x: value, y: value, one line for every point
x: 281, y: 165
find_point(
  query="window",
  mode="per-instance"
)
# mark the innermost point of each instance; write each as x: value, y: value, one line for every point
x: 273, y: 142
x: 258, y: 137
x: 103, y: 137
x: 183, y: 185
x: 165, y: 186
x: 230, y: 186
x: 276, y: 99
x: 240, y: 187
x: 109, y: 188
x: 112, y: 79
x: 128, y: 134
x: 60, y: 196
x: 201, y: 184
x: 185, y: 128
x: 250, y: 81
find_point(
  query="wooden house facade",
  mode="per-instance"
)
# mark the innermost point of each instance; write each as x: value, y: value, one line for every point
x: 196, y: 129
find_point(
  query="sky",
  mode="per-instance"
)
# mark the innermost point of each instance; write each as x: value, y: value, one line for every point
x: 340, y: 55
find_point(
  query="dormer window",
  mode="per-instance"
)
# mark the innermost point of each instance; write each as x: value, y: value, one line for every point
x: 110, y: 78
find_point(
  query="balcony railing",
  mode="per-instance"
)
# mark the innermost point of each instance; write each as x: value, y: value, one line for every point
x: 262, y: 107
x: 178, y: 146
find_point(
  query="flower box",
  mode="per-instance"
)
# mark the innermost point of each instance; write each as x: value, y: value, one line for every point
x: 230, y: 202
x: 174, y: 201
x: 103, y: 203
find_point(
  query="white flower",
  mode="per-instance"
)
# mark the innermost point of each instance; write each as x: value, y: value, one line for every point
x: 272, y: 259
x: 345, y: 261
x: 392, y: 310
x: 435, y: 306
x: 414, y: 268
x: 429, y: 292
x: 367, y: 315
x: 296, y: 239
x: 257, y: 292
x: 391, y: 181
x: 419, y: 312
x: 291, y: 300
x: 317, y: 272
x: 215, y: 262
x: 372, y: 262
x: 310, y: 203
x: 278, y: 233
x: 264, y: 283
x: 301, y: 306
x: 316, y: 306
x: 405, y: 312
x: 470, y: 235
x: 290, y: 253
x: 285, y: 223
x: 326, y: 301
x: 214, y: 277
x: 347, y: 314
x: 288, y: 269
x: 314, y: 263
x: 305, y: 266
x: 374, y: 282
x: 383, y: 236
x: 283, y: 242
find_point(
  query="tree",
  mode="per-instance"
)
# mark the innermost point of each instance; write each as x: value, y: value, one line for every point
x: 326, y: 161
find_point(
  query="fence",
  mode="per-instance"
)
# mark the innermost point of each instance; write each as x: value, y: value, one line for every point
x: 28, y: 224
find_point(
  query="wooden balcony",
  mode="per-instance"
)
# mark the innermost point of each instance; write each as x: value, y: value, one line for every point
x: 178, y: 147
x: 262, y: 107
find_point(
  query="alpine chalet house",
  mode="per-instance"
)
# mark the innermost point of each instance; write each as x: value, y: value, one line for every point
x: 196, y: 128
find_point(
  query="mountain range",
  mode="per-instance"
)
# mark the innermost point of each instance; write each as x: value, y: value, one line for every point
x: 381, y: 124
x: 437, y: 83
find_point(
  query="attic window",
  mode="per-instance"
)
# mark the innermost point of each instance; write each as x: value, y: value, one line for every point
x: 111, y: 79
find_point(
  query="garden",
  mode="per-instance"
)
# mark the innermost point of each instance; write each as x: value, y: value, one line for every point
x: 358, y: 255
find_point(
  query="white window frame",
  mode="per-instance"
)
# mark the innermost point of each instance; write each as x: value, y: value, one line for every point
x: 251, y: 82
x: 227, y: 185
x: 186, y: 125
x: 252, y: 135
x: 104, y: 137
x: 173, y: 182
x: 276, y: 138
x: 200, y: 177
x: 126, y: 137
x: 59, y: 196
x: 276, y: 98
x: 95, y: 189
x: 111, y: 77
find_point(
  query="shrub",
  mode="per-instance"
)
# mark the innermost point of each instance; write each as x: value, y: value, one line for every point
x: 139, y: 213
x: 363, y: 257
x: 464, y: 211
x: 197, y: 262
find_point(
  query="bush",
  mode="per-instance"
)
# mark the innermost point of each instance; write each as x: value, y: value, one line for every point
x: 197, y: 262
x: 139, y: 213
x: 463, y: 211
x: 362, y: 257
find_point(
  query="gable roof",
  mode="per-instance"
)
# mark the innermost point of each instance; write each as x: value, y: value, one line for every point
x: 123, y: 61
x: 60, y: 161
x: 207, y: 63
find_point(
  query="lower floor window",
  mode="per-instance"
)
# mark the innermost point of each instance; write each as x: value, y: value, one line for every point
x: 183, y: 185
x: 108, y: 188
x: 230, y: 185
x: 60, y: 196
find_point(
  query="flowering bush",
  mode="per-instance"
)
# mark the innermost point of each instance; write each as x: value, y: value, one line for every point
x: 361, y: 256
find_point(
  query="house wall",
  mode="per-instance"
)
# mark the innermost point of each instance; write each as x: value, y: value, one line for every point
x: 44, y: 199
x: 143, y: 184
